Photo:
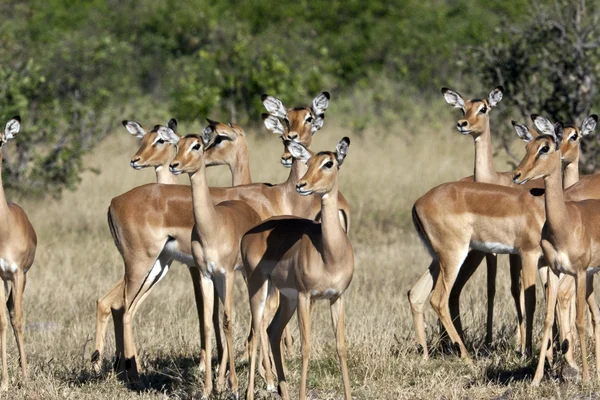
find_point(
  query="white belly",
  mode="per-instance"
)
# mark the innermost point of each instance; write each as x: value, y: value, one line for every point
x: 493, y: 247
x: 174, y: 252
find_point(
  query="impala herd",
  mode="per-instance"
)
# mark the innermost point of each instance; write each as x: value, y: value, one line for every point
x: 290, y: 240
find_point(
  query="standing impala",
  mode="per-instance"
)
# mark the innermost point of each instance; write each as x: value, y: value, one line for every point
x: 306, y: 261
x: 17, y: 251
x: 215, y: 244
x: 570, y: 242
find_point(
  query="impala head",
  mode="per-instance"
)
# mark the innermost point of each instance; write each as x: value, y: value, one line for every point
x: 299, y: 124
x: 226, y: 139
x: 10, y: 130
x: 542, y: 157
x: 475, y: 112
x: 190, y: 152
x: 571, y: 135
x: 155, y: 150
x: 323, y: 167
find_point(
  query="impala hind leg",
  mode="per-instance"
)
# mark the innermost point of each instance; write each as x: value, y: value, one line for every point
x: 195, y: 274
x: 551, y: 294
x: 15, y: 311
x: 580, y: 290
x: 3, y: 328
x: 450, y: 262
x: 208, y: 298
x: 566, y: 291
x: 227, y: 298
x: 286, y: 309
x: 519, y: 299
x: 104, y: 307
x: 337, y: 318
x: 417, y: 297
x: 529, y: 269
x: 258, y: 299
x: 595, y: 313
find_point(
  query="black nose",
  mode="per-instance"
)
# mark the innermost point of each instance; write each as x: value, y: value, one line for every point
x: 300, y: 185
x: 516, y: 176
x: 292, y: 137
x: 174, y: 165
x: 462, y: 124
x: 135, y: 160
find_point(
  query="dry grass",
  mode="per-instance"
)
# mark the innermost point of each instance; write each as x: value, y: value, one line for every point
x: 384, y: 173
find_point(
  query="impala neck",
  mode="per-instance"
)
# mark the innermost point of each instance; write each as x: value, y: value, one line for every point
x: 4, y: 211
x: 333, y: 235
x: 571, y: 174
x: 297, y: 171
x: 556, y: 210
x: 163, y: 175
x: 484, y: 164
x: 205, y: 215
x: 240, y: 169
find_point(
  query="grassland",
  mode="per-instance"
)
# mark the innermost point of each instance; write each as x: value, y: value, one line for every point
x: 385, y: 171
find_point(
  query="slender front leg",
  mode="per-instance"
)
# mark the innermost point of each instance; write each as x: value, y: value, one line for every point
x: 16, y: 317
x: 195, y: 274
x: 104, y: 307
x: 580, y: 289
x: 417, y: 297
x: 286, y: 309
x: 492, y: 268
x: 337, y: 317
x: 529, y: 272
x: 549, y: 321
x: 3, y: 328
x: 207, y: 299
x: 258, y: 298
x: 518, y: 297
x: 566, y: 290
x: 228, y: 330
x: 304, y: 324
x: 595, y: 320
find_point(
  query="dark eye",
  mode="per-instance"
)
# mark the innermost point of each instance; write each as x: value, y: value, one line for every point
x: 328, y: 164
x: 309, y: 119
x: 196, y: 146
x: 160, y: 141
x: 573, y: 138
x: 483, y: 110
x: 217, y: 140
x: 545, y: 149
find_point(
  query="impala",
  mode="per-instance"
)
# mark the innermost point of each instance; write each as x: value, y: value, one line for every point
x: 17, y: 251
x: 306, y: 261
x: 165, y: 211
x: 570, y: 241
x: 216, y: 240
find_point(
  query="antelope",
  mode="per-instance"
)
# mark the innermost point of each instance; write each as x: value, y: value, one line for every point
x: 165, y: 211
x: 570, y: 240
x: 216, y: 240
x: 482, y: 216
x: 18, y: 242
x: 228, y: 148
x: 306, y: 261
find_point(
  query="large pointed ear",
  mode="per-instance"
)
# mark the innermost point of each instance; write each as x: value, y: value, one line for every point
x: 134, y: 128
x: 453, y: 98
x: 273, y: 124
x: 12, y: 127
x: 318, y: 123
x: 274, y: 106
x: 207, y: 134
x: 167, y: 134
x: 522, y: 131
x: 558, y: 133
x: 495, y: 96
x: 298, y: 151
x: 543, y: 124
x: 172, y: 124
x: 320, y: 103
x: 589, y: 124
x: 341, y: 150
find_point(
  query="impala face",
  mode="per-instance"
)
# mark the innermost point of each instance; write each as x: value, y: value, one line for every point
x: 190, y: 155
x: 299, y: 124
x: 537, y: 161
x: 222, y: 149
x: 154, y: 150
x: 323, y: 167
x: 475, y: 112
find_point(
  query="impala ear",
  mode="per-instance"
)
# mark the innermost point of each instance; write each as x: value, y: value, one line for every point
x: 543, y: 124
x: 273, y: 124
x: 522, y: 131
x: 172, y: 124
x: 274, y: 106
x: 167, y: 134
x: 12, y: 127
x: 558, y: 133
x: 341, y: 150
x: 589, y: 124
x: 320, y: 103
x: 318, y: 123
x: 453, y: 98
x: 134, y: 128
x: 207, y: 134
x: 495, y: 96
x: 298, y: 151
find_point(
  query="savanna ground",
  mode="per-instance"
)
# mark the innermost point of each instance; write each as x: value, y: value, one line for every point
x: 386, y: 170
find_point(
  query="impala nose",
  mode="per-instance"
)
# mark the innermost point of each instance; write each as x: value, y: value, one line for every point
x: 174, y: 165
x: 293, y: 136
x: 462, y: 124
x: 300, y: 185
x: 516, y: 177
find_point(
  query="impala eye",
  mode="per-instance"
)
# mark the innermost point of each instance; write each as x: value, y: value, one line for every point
x: 160, y: 141
x: 196, y: 147
x: 328, y: 164
x: 483, y: 110
x: 573, y: 138
x: 545, y: 149
x: 309, y: 119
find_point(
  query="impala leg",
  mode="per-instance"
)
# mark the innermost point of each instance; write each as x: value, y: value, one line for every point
x: 580, y: 289
x: 552, y: 288
x: 492, y: 268
x: 595, y: 320
x: 450, y: 262
x: 529, y: 272
x: 258, y: 300
x: 288, y: 341
x: 337, y: 317
x: 286, y: 309
x: 16, y: 317
x: 3, y: 328
x: 228, y: 330
x: 566, y: 290
x: 195, y: 275
x: 519, y: 299
x: 417, y: 297
x: 104, y: 307
x: 219, y: 285
x: 208, y: 299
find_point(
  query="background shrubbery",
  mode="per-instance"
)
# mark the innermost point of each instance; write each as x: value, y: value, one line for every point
x: 74, y: 69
